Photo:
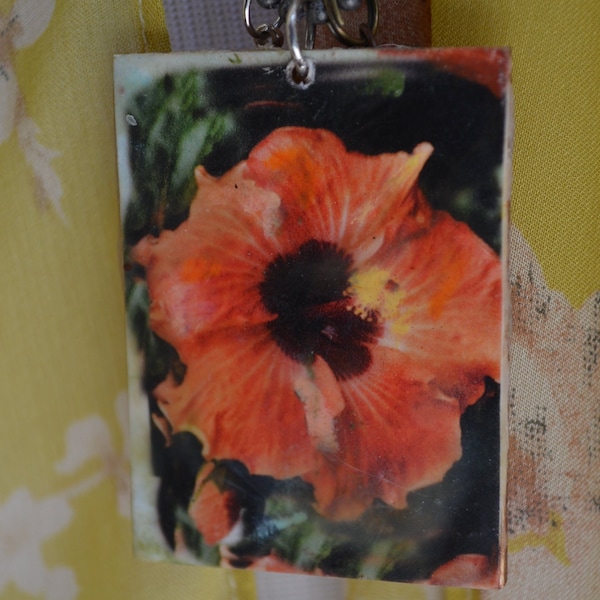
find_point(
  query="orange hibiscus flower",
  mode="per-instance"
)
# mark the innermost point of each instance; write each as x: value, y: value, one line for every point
x: 333, y: 326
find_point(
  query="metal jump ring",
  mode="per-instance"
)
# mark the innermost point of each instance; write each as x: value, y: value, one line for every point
x: 262, y: 32
x: 269, y: 33
x: 336, y: 23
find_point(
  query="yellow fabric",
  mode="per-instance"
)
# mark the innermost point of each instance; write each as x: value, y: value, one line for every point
x: 62, y: 320
x: 378, y: 590
x: 64, y: 531
x: 555, y: 46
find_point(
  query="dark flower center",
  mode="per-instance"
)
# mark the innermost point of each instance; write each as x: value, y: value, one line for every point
x: 305, y: 289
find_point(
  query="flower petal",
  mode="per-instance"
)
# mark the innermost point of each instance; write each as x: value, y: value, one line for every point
x: 323, y: 187
x: 318, y: 390
x: 9, y: 92
x: 33, y: 17
x: 397, y: 433
x: 439, y: 294
x: 198, y: 274
x: 238, y: 397
x: 214, y: 511
x: 467, y: 570
x: 85, y: 439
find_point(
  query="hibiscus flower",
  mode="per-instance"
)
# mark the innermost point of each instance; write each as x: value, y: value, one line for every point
x: 334, y: 327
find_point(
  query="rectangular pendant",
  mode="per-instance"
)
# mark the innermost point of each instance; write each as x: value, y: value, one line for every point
x: 317, y: 310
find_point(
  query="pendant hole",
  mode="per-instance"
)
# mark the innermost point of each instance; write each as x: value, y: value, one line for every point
x: 300, y: 75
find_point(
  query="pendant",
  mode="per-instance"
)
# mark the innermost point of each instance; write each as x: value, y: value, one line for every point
x: 315, y: 266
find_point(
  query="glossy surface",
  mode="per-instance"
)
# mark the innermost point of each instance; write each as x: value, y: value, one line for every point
x: 315, y: 281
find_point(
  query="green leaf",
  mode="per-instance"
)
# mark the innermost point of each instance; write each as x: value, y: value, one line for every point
x: 173, y: 129
x: 388, y: 82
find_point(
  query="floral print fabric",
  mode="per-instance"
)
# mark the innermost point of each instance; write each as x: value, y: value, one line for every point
x: 62, y: 311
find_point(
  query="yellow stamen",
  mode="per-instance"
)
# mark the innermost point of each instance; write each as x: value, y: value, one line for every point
x: 375, y: 291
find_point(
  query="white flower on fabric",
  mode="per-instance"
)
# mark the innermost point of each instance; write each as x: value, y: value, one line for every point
x: 26, y: 22
x: 25, y: 524
x: 89, y: 439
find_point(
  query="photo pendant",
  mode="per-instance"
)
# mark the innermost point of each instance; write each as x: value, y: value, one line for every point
x: 315, y: 276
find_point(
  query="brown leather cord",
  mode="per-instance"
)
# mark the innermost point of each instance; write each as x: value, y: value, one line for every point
x: 406, y: 22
